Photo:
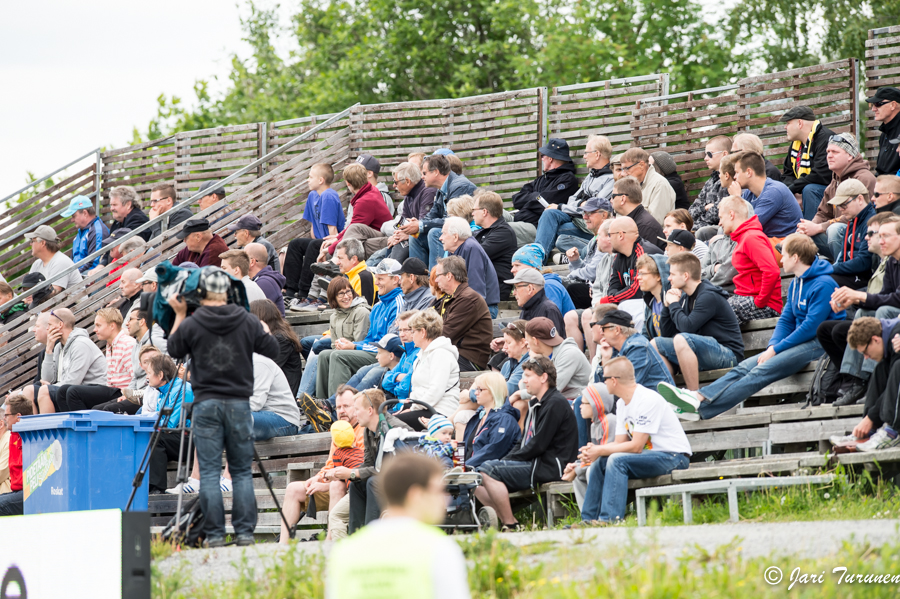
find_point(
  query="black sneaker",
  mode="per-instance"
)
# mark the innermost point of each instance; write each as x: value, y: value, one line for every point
x: 325, y: 269
x: 319, y: 417
x: 324, y: 282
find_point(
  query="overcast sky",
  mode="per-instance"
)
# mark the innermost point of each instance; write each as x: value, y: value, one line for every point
x: 78, y: 75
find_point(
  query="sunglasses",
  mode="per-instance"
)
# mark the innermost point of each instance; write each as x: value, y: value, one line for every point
x: 878, y: 194
x: 871, y: 234
x: 880, y: 104
x: 711, y: 154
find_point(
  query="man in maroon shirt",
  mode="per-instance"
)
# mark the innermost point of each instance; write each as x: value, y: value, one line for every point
x: 13, y: 503
x: 202, y: 246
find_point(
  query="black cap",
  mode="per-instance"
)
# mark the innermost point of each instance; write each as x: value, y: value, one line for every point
x: 31, y: 279
x: 557, y: 148
x: 117, y: 234
x: 194, y: 225
x: 798, y: 112
x: 211, y: 187
x: 680, y: 237
x: 369, y: 162
x: 885, y: 94
x: 413, y: 266
x: 617, y: 317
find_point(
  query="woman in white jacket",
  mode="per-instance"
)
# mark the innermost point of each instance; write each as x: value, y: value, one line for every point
x: 435, y: 377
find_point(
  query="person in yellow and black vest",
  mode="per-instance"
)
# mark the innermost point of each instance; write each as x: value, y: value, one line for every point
x: 806, y: 171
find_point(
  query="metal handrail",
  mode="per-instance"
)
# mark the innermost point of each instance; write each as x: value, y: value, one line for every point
x: 636, y: 79
x: 42, y: 179
x: 165, y: 216
x: 37, y: 224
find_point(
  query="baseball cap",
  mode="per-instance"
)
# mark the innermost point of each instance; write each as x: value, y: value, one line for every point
x: 617, y: 317
x: 414, y: 266
x: 617, y: 159
x: 595, y: 205
x: 392, y: 343
x: 388, y: 266
x: 342, y: 433
x: 214, y: 280
x: 77, y: 203
x: 370, y: 162
x: 798, y: 112
x: 45, y: 232
x: 527, y: 275
x: 542, y: 329
x: 117, y: 234
x: 149, y: 277
x: 248, y: 222
x: 680, y: 237
x: 194, y: 225
x: 211, y: 187
x: 885, y: 94
x: 443, y: 152
x: 847, y: 190
x: 31, y: 279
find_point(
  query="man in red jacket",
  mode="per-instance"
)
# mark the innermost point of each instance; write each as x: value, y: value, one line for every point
x: 757, y: 285
x: 13, y: 503
x: 369, y: 211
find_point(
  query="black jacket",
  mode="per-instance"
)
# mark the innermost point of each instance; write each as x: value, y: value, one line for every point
x: 888, y: 162
x: 289, y: 361
x: 623, y: 282
x: 706, y: 312
x: 135, y: 219
x: 221, y: 341
x: 681, y: 196
x: 881, y: 396
x: 772, y: 171
x: 555, y: 186
x: 499, y: 243
x: 538, y: 306
x: 419, y: 201
x: 820, y: 173
x: 648, y: 227
x: 176, y: 218
x: 892, y: 207
x: 555, y: 440
x: 890, y: 291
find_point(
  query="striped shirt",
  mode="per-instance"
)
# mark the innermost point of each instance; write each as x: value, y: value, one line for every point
x: 119, y: 368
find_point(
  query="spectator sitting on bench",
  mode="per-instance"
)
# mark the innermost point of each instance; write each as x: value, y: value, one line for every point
x: 597, y: 412
x: 270, y: 281
x: 398, y: 381
x: 757, y: 284
x: 528, y: 289
x: 681, y: 219
x: 48, y: 260
x: 678, y: 242
x: 237, y: 264
x: 699, y: 329
x: 557, y: 183
x: 705, y: 209
x: 15, y: 310
x: 887, y: 194
x: 173, y: 392
x: 13, y: 503
x: 71, y: 359
x: 163, y: 198
x: 288, y: 344
x: 91, y: 231
x: 467, y: 320
x: 657, y: 194
x: 349, y: 260
x: 513, y: 351
x: 806, y: 171
x: 456, y: 235
x: 653, y: 276
x: 649, y: 442
x: 496, y: 236
x: 549, y: 442
x: 531, y: 255
x: 201, y: 245
x: 317, y: 489
x: 878, y: 340
x: 435, y: 376
x: 881, y: 301
x: 663, y: 163
x: 248, y: 229
x: 368, y: 211
x: 748, y: 142
x: 275, y: 411
x: 853, y: 267
x: 773, y: 203
x: 491, y: 431
x: 627, y: 200
x: 792, y: 346
x: 417, y: 201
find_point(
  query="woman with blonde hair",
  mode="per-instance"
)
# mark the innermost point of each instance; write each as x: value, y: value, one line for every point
x: 435, y: 376
x: 494, y: 429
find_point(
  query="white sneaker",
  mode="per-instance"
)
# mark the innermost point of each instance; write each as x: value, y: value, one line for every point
x: 225, y: 484
x: 683, y: 399
x: 682, y: 415
x: 192, y: 486
x: 844, y: 440
x: 884, y: 438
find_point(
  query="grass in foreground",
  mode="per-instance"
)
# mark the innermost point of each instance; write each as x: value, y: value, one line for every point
x: 499, y: 570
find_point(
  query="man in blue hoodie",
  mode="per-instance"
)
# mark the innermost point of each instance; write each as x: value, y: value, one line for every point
x: 699, y: 328
x: 853, y: 268
x: 791, y: 348
x: 337, y: 365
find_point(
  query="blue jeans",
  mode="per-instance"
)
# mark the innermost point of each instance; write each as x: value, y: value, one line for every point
x: 607, y: 490
x: 267, y: 425
x: 748, y: 378
x: 12, y: 504
x: 367, y: 377
x: 564, y: 243
x: 812, y: 196
x: 427, y: 248
x: 551, y: 225
x: 308, y: 379
x: 222, y: 424
x: 711, y: 355
x: 831, y: 241
x: 308, y: 343
x: 494, y: 309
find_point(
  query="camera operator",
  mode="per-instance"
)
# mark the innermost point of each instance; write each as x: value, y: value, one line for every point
x: 221, y: 339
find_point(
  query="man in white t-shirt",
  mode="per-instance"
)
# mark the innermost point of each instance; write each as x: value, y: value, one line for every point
x: 649, y: 442
x: 49, y: 260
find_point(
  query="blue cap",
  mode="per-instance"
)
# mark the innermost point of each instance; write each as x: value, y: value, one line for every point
x: 77, y: 203
x: 392, y: 343
x: 596, y: 205
x: 444, y: 151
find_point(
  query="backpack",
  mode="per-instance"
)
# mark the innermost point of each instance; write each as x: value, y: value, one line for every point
x: 191, y: 530
x: 823, y: 388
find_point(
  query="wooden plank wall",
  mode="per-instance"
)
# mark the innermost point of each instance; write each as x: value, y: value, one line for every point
x: 267, y: 196
x: 683, y: 125
x: 213, y: 154
x: 141, y: 166
x: 599, y: 108
x: 882, y: 69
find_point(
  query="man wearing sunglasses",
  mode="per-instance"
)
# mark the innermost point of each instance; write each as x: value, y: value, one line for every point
x: 885, y: 104
x: 806, y: 171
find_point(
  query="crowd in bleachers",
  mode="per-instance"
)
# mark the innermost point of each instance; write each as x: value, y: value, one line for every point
x: 581, y: 386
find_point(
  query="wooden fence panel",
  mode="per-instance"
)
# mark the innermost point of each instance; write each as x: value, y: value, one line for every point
x: 600, y: 108
x: 213, y: 154
x: 882, y: 70
x: 141, y: 166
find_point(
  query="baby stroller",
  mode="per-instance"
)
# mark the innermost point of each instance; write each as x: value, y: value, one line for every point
x: 462, y: 512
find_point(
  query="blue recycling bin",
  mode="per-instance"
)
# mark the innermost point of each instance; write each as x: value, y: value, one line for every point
x: 82, y: 460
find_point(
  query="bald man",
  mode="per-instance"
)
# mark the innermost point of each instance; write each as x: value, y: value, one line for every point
x: 624, y: 288
x: 262, y: 274
x: 129, y: 290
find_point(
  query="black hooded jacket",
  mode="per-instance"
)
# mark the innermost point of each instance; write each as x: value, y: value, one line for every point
x: 681, y: 196
x: 555, y: 440
x: 888, y: 162
x: 555, y: 186
x: 221, y: 341
x: 706, y: 312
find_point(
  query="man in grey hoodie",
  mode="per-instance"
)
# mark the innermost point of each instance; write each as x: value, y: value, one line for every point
x: 71, y: 359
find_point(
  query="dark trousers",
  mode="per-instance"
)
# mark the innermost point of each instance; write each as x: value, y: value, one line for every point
x: 301, y: 253
x: 118, y: 407
x: 832, y: 336
x: 86, y: 397
x: 12, y: 504
x: 166, y: 451
x: 412, y: 419
x: 882, y: 394
x: 465, y: 365
x: 363, y: 504
x: 851, y: 281
x: 580, y: 293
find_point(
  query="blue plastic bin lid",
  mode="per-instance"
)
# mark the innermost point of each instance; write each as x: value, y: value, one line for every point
x: 85, y: 420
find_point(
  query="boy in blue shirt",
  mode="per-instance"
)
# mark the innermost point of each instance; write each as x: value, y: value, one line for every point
x: 326, y: 215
